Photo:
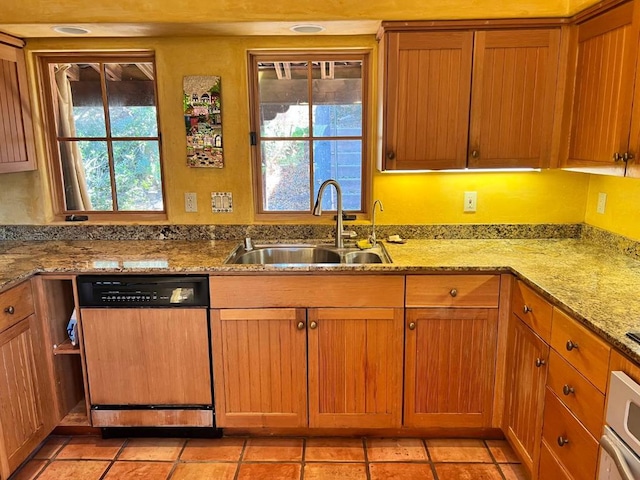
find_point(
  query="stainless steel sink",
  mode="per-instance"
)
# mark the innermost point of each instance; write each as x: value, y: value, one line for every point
x: 306, y: 255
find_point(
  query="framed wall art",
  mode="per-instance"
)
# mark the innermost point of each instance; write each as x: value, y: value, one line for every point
x: 202, y: 103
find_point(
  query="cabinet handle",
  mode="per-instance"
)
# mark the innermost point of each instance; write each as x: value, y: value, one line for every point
x: 571, y: 345
x: 527, y: 309
x: 391, y: 155
x: 300, y: 325
x: 562, y: 441
x: 617, y: 157
x: 475, y: 153
x: 412, y: 326
x: 627, y: 156
x: 453, y: 292
x: 10, y: 310
x: 568, y: 390
x: 540, y: 362
x: 313, y: 325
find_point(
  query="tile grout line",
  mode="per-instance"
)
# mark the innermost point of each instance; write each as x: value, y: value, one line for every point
x: 50, y: 459
x: 177, y: 460
x: 366, y: 458
x: 493, y: 457
x: 240, y: 458
x: 114, y: 459
x: 304, y: 457
x: 431, y: 462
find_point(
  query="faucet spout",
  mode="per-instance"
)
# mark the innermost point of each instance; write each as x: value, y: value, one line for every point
x: 317, y: 209
x: 372, y: 239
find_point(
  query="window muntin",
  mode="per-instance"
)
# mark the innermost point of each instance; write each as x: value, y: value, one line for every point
x: 310, y: 124
x: 106, y: 140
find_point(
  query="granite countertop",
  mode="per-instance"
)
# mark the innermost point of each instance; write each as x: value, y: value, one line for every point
x: 595, y: 285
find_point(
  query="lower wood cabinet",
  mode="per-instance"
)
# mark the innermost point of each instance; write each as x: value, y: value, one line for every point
x: 450, y: 367
x: 355, y: 367
x: 260, y: 367
x: 528, y: 355
x: 24, y: 421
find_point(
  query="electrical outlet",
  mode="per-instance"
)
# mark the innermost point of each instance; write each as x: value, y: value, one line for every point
x: 470, y: 201
x: 190, y: 202
x: 602, y: 203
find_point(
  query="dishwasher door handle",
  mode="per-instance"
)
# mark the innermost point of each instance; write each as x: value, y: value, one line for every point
x: 618, y: 458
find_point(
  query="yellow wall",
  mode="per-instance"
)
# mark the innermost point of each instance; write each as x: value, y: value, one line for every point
x: 622, y: 210
x: 423, y: 198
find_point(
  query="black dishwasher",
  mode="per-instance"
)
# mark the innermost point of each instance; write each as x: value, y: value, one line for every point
x: 147, y: 344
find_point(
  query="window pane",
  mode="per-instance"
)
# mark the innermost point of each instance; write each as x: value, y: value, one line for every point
x: 138, y: 179
x: 132, y: 101
x: 342, y: 161
x: 85, y: 172
x: 285, y: 176
x: 80, y: 112
x: 337, y: 99
x: 284, y: 99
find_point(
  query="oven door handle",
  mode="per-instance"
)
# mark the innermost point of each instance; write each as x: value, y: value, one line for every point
x: 617, y: 457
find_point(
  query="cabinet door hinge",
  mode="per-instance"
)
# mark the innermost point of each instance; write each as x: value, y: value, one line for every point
x: 252, y: 138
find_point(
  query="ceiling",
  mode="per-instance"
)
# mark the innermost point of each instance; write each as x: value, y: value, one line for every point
x: 153, y: 18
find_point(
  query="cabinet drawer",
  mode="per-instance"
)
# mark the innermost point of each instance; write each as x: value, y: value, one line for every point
x: 580, y: 454
x: 15, y: 304
x: 577, y: 393
x: 581, y: 348
x: 532, y: 309
x: 459, y: 291
x: 277, y: 291
x: 550, y: 467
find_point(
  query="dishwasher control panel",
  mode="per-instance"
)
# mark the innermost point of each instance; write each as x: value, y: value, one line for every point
x: 125, y: 291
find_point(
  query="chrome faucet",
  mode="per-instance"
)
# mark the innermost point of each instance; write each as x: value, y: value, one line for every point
x: 317, y: 211
x: 372, y: 237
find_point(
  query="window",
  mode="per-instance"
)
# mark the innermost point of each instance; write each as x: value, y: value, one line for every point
x: 309, y: 121
x: 105, y: 141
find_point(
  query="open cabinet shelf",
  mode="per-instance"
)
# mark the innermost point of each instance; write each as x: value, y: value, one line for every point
x: 65, y: 348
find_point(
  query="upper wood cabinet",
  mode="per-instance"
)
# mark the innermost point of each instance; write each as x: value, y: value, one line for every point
x: 477, y: 99
x: 16, y: 131
x: 601, y: 93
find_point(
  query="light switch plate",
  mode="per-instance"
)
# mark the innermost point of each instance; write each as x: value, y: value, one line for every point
x: 602, y: 203
x: 470, y: 202
x: 221, y: 202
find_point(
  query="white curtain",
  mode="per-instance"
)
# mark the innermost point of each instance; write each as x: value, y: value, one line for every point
x: 75, y: 184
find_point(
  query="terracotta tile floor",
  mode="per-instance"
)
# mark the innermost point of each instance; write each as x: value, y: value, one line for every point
x: 233, y: 458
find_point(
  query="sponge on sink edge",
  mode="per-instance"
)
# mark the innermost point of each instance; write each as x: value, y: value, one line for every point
x: 364, y: 244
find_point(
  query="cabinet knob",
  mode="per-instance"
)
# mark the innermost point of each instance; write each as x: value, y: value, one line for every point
x: 618, y: 157
x: 571, y: 345
x: 568, y: 390
x: 627, y: 156
x: 10, y: 310
x: 313, y: 325
x: 562, y: 441
x: 300, y: 325
x: 475, y: 153
x: 540, y: 362
x: 412, y: 326
x: 527, y: 309
x: 391, y: 155
x: 453, y: 292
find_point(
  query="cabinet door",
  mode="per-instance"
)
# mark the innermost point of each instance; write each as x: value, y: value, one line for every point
x: 528, y: 355
x: 355, y: 367
x: 602, y: 91
x: 513, y: 98
x: 16, y: 131
x: 260, y: 367
x: 450, y: 367
x: 22, y: 417
x: 426, y: 115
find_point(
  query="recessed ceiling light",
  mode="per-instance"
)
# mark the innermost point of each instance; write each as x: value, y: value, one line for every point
x: 71, y: 30
x: 307, y: 28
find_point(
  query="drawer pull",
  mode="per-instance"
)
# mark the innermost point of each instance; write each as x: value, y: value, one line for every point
x: 10, y: 310
x: 540, y: 362
x: 562, y: 441
x: 527, y: 309
x: 412, y: 326
x: 571, y: 345
x: 300, y: 325
x: 453, y: 292
x: 568, y: 390
x: 313, y: 325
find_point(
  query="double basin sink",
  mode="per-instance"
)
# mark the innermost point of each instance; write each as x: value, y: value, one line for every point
x: 306, y: 255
